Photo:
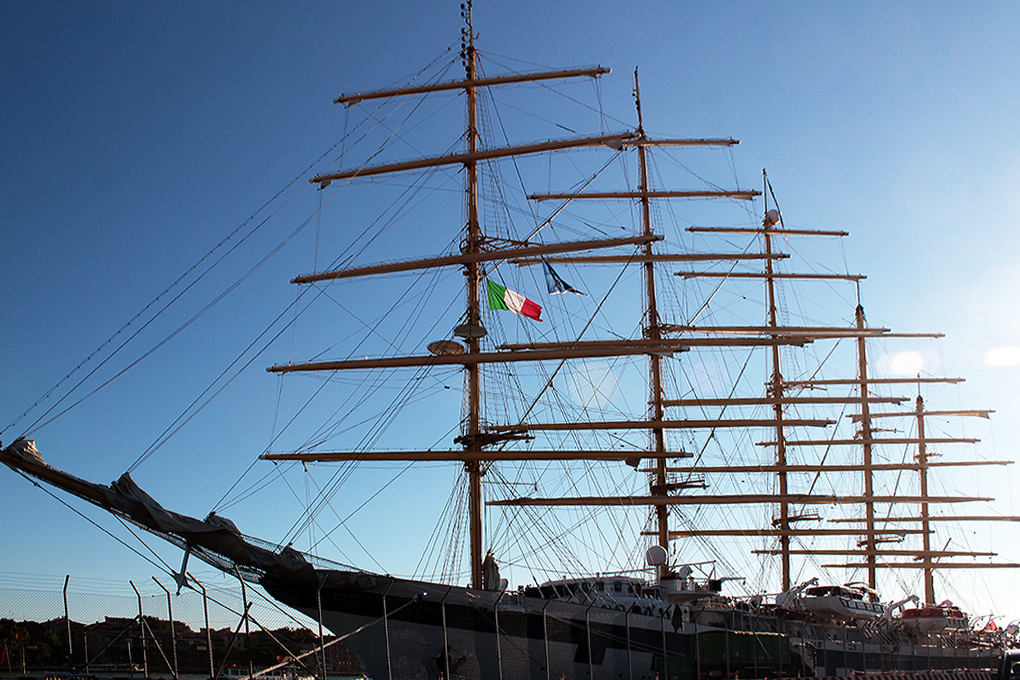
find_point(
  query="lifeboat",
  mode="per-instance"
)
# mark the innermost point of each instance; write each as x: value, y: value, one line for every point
x: 934, y: 618
x: 851, y: 601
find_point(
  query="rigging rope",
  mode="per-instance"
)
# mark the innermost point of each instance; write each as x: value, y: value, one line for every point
x: 36, y: 425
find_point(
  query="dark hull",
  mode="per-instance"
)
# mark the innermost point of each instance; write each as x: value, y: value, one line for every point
x: 399, y: 629
x: 403, y: 628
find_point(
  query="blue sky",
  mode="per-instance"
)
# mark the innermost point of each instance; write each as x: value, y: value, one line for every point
x: 138, y: 135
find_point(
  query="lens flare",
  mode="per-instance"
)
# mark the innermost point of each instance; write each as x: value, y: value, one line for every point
x: 1002, y: 356
x: 907, y: 363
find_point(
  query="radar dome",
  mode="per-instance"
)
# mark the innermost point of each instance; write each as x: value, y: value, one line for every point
x: 656, y: 556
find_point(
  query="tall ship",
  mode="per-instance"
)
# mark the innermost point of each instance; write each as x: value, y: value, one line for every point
x: 665, y: 411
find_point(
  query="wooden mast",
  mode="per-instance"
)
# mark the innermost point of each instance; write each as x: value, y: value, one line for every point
x: 866, y: 438
x: 472, y: 244
x: 922, y: 472
x: 926, y: 559
x: 478, y: 437
x: 776, y: 393
x: 652, y: 332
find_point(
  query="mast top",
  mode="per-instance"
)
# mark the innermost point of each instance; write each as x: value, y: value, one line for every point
x: 467, y: 41
x: 637, y: 104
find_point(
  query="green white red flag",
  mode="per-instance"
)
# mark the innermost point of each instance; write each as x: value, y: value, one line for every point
x: 504, y: 298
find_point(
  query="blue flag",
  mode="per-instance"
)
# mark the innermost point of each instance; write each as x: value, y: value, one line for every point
x: 555, y: 284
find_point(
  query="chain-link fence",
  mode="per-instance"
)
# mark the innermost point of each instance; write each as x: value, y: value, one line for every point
x: 147, y: 629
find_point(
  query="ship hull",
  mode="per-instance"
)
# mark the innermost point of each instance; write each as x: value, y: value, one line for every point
x: 404, y: 629
x: 411, y: 629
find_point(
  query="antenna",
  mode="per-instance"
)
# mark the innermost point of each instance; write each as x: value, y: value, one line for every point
x: 467, y: 39
x: 637, y: 102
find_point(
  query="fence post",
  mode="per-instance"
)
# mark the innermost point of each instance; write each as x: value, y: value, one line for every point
x: 322, y: 647
x: 386, y: 632
x: 499, y: 647
x: 446, y: 639
x: 545, y: 639
x: 247, y: 629
x: 67, y: 620
x: 173, y: 634
x: 141, y: 624
x: 85, y: 640
x: 208, y: 630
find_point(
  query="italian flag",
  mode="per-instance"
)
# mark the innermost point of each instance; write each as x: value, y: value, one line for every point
x: 502, y: 298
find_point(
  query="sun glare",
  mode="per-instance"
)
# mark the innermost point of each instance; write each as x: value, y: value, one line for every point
x: 1002, y: 356
x: 907, y: 363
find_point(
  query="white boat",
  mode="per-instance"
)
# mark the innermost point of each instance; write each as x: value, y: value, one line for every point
x: 935, y: 618
x: 850, y: 602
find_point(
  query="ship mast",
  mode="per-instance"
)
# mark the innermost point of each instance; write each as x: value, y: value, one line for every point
x: 475, y: 250
x: 475, y: 447
x: 652, y: 332
x: 866, y: 438
x: 922, y: 472
x: 471, y: 245
x: 776, y: 392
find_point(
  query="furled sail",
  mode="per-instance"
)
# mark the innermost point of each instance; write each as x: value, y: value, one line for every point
x: 215, y: 539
